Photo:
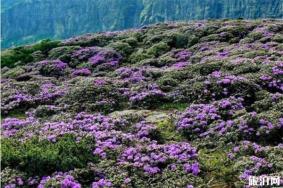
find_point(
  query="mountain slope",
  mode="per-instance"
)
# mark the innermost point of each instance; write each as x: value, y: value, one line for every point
x: 25, y: 21
x: 178, y: 105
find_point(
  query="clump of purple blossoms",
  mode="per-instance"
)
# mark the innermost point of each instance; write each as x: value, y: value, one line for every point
x: 278, y: 69
x: 198, y: 117
x: 17, y: 99
x: 247, y: 147
x: 52, y: 67
x: 223, y: 54
x: 149, y: 158
x: 131, y: 75
x: 98, y: 56
x: 252, y: 127
x: 181, y: 65
x: 81, y: 72
x: 255, y: 160
x: 225, y: 79
x: 64, y: 180
x: 84, y: 54
x: 271, y: 83
x: 183, y: 55
x: 10, y: 126
x: 47, y: 93
x: 101, y: 183
x: 149, y: 94
x: 106, y: 57
x: 274, y: 80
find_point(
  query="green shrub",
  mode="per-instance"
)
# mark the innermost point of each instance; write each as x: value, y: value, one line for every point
x: 42, y: 157
x: 246, y: 67
x: 167, y: 83
x: 158, y: 49
x: 212, y: 37
x: 167, y: 131
x: 45, y: 46
x: 176, y: 40
x: 174, y: 106
x: 102, y: 98
x: 19, y: 55
x: 206, y: 68
x: 63, y: 53
x: 132, y: 41
x: 14, y: 72
x: 217, y: 168
x: 255, y: 35
x: 139, y: 55
x: 192, y: 40
x: 38, y: 56
x: 278, y: 38
x: 23, y: 55
x: 253, y: 54
x: 124, y: 48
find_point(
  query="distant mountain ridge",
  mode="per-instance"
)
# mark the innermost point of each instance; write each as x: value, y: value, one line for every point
x: 26, y: 21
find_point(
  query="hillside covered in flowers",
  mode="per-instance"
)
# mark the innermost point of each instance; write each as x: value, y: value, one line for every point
x: 182, y: 105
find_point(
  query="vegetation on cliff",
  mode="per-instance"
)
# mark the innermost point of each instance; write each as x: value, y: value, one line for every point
x: 171, y: 105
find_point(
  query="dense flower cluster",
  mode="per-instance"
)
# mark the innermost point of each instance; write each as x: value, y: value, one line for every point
x: 85, y: 53
x: 81, y: 72
x: 252, y: 127
x: 61, y: 179
x: 180, y: 65
x: 52, y: 68
x: 101, y: 183
x: 278, y: 69
x: 247, y: 147
x: 224, y: 79
x: 100, y: 57
x: 46, y: 93
x: 150, y: 94
x: 274, y: 80
x: 10, y: 126
x: 183, y: 55
x: 271, y: 83
x: 198, y: 117
x: 256, y: 158
x: 151, y: 157
x: 131, y: 75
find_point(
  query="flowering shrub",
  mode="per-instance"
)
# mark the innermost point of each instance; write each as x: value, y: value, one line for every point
x: 98, y: 95
x: 98, y: 57
x: 20, y: 97
x: 172, y: 105
x: 274, y: 81
x: 183, y: 55
x: 59, y: 179
x: 81, y: 72
x: 196, y: 120
x: 10, y: 126
x: 147, y: 95
x: 52, y: 68
x: 149, y: 158
x: 132, y: 75
x: 101, y: 183
x: 256, y: 128
x: 254, y: 159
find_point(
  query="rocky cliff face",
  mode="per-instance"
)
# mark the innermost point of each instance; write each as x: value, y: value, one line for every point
x: 26, y: 21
